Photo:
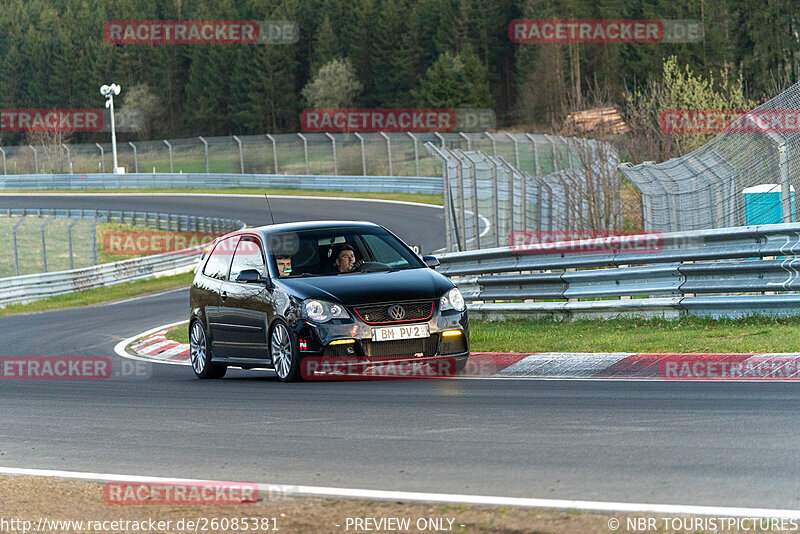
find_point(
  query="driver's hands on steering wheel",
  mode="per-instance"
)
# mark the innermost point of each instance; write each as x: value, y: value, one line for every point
x: 357, y: 265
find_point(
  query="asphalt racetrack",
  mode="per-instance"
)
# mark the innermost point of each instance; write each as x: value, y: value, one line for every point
x: 726, y: 444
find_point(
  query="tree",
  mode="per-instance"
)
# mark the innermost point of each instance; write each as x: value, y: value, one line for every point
x: 334, y: 86
x: 677, y: 88
x: 455, y: 81
x: 141, y: 109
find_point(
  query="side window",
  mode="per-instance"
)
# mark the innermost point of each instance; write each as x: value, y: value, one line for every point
x: 220, y: 259
x: 247, y: 256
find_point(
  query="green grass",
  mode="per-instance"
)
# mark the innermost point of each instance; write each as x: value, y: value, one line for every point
x: 406, y: 197
x: 29, y: 244
x: 101, y: 295
x: 690, y: 334
x: 179, y: 334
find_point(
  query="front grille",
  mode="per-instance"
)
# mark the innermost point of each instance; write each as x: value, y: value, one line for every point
x: 379, y: 314
x: 404, y: 348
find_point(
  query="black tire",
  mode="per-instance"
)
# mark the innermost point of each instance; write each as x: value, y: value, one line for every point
x: 200, y: 353
x: 284, y: 353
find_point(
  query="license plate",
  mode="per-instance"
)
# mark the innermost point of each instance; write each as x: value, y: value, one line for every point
x: 393, y: 333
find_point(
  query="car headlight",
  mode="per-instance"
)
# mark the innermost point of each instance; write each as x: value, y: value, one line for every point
x: 452, y: 300
x: 321, y: 311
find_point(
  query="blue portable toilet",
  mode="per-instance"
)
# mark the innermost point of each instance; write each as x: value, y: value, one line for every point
x: 762, y: 204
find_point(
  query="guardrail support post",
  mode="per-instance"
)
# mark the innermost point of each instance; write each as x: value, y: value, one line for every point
x: 537, y: 169
x: 416, y: 153
x: 553, y: 148
x: 786, y: 186
x: 36, y: 158
x: 93, y: 242
x: 44, y: 244
x: 333, y: 144
x: 241, y: 154
x: 274, y: 152
x: 69, y: 241
x: 516, y: 148
x: 205, y: 152
x: 135, y: 157
x: 469, y: 142
x: 305, y: 151
x: 494, y: 143
x: 496, y: 213
x: 102, y: 156
x: 14, y: 240
x: 476, y: 220
x: 363, y: 156
x: 169, y: 147
x: 4, y: 160
x: 69, y: 157
x: 389, y: 150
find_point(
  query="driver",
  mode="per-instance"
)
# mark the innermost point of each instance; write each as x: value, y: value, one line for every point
x: 344, y: 259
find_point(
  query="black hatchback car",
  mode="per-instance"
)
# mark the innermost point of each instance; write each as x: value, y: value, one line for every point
x: 281, y: 295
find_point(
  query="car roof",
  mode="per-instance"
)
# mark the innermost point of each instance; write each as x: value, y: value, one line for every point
x: 311, y: 225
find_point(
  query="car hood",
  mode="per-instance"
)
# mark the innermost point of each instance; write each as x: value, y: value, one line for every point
x: 365, y: 288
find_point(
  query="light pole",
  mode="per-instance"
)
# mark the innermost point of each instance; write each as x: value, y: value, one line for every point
x: 109, y: 91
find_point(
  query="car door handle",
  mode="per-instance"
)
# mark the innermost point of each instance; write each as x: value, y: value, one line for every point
x: 224, y: 295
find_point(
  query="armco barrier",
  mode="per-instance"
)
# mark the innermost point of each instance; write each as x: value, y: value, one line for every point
x: 30, y: 287
x: 397, y: 184
x: 715, y: 273
x: 27, y: 288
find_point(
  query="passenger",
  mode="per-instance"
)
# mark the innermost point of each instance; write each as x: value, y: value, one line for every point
x: 284, y: 265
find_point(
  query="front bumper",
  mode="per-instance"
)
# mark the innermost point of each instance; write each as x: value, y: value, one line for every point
x: 355, y: 347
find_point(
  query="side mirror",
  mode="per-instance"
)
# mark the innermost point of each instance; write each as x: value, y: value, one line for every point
x: 249, y: 276
x: 430, y: 261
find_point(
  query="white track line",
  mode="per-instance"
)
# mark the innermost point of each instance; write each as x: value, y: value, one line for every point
x: 349, y: 493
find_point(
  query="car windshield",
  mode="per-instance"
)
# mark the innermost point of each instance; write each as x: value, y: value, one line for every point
x: 336, y: 251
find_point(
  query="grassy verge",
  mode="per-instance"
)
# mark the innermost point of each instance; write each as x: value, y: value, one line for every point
x: 407, y: 197
x: 101, y: 295
x: 690, y: 334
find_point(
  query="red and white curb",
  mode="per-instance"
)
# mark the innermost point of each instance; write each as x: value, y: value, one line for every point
x: 155, y: 347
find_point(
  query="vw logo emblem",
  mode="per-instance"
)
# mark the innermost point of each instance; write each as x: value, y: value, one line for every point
x: 397, y: 312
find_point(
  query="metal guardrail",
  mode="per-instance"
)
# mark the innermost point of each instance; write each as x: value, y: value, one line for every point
x: 30, y: 287
x: 397, y: 184
x: 712, y: 273
x: 148, y: 219
x: 27, y: 288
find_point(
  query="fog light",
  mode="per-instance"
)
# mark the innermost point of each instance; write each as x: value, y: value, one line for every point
x: 342, y: 342
x: 451, y: 333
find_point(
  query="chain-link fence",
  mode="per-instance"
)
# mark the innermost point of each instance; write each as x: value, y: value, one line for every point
x: 348, y: 154
x: 743, y: 176
x: 48, y: 240
x: 487, y: 199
